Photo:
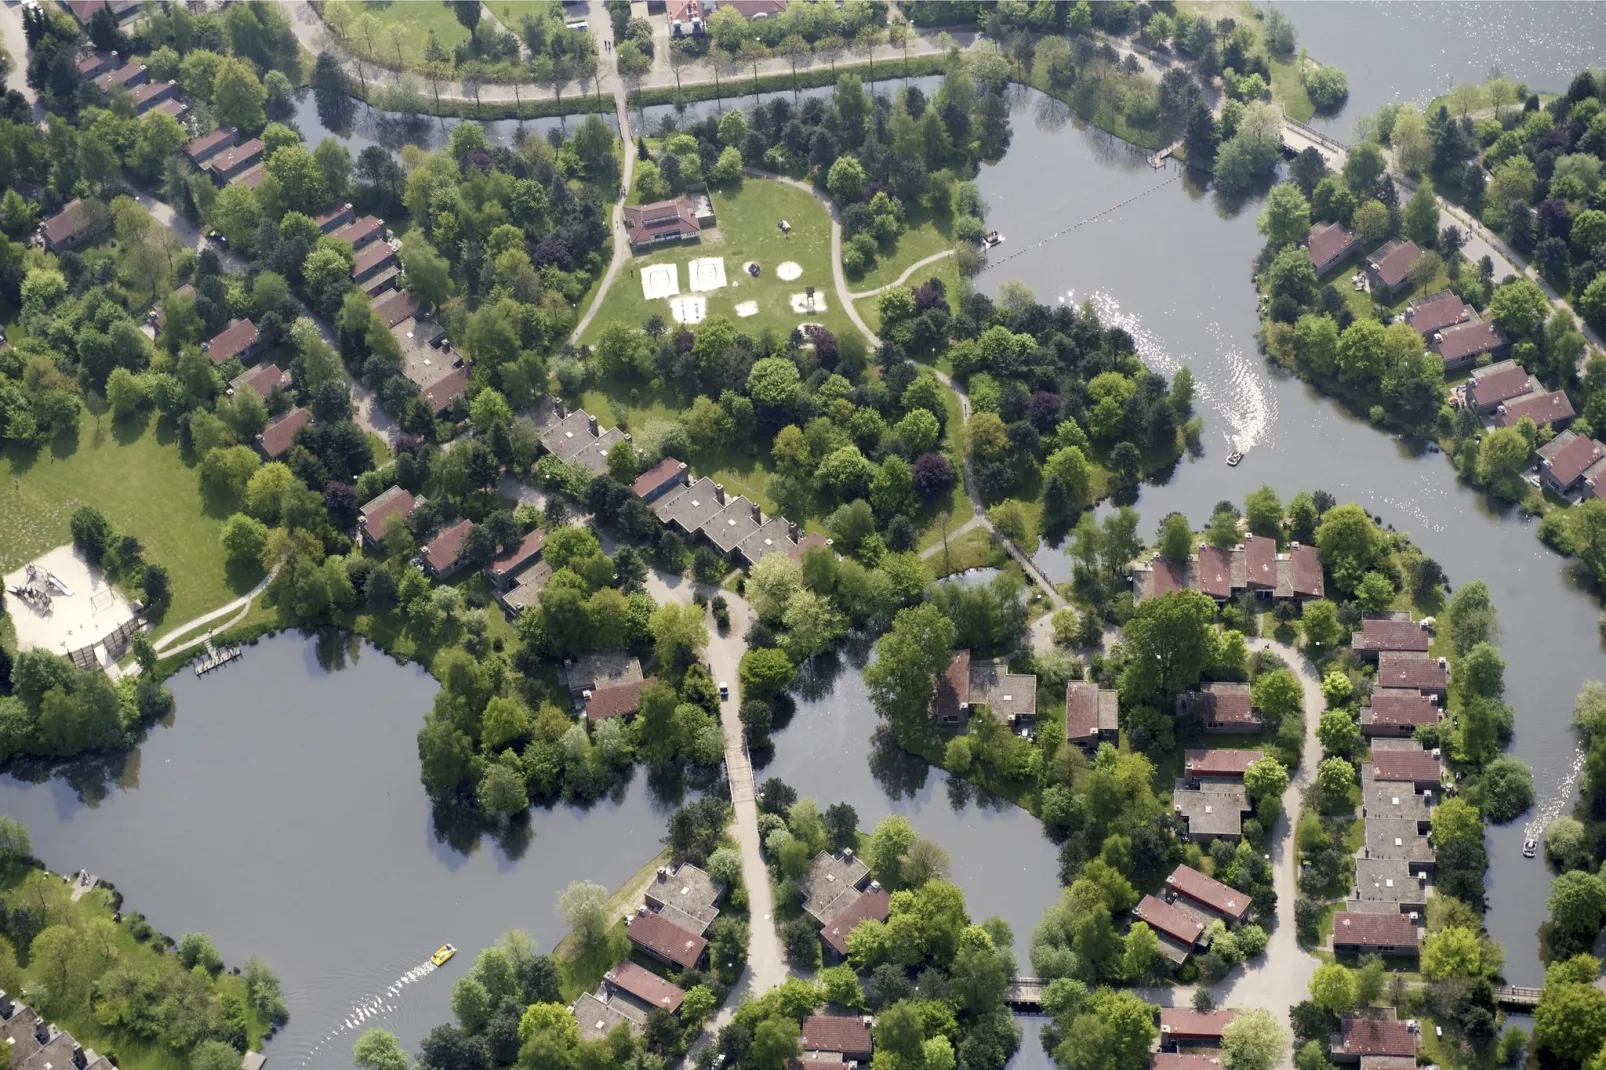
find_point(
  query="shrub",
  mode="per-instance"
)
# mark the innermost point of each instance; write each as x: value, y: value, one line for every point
x: 1327, y: 88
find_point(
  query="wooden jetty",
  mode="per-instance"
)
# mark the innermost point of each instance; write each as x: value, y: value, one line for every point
x: 215, y: 657
x: 1158, y: 160
x: 82, y: 882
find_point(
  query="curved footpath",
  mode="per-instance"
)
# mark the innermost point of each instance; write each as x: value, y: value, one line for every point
x: 901, y: 279
x: 621, y: 241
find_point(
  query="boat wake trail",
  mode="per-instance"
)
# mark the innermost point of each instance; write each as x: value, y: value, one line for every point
x: 371, y: 1009
x: 1225, y: 379
x: 1556, y: 802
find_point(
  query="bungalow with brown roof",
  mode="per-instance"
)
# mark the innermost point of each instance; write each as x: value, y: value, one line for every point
x: 1398, y: 712
x: 127, y: 76
x: 873, y: 905
x: 332, y: 219
x: 951, y: 705
x: 203, y: 148
x: 1378, y: 634
x: 1223, y: 706
x: 376, y: 516
x: 371, y: 259
x: 1419, y: 672
x: 846, y: 1036
x: 1159, y: 576
x: 1498, y: 383
x: 77, y: 223
x: 234, y: 160
x: 686, y: 895
x: 1546, y: 407
x: 650, y: 225
x: 1011, y: 696
x: 1218, y: 762
x: 1377, y: 1034
x: 1299, y: 574
x: 360, y: 232
x: 1179, y: 1026
x: 151, y: 94
x: 396, y: 306
x: 1436, y: 312
x: 616, y: 700
x: 507, y: 565
x: 1420, y: 768
x: 1179, y: 932
x: 644, y: 986
x: 440, y: 394
x: 172, y: 107
x: 658, y: 937
x: 236, y: 341
x: 443, y: 555
x: 659, y: 479
x: 262, y: 379
x: 1092, y: 714
x: 1212, y: 809
x: 96, y: 63
x: 277, y: 438
x: 1390, y: 266
x: 1212, y: 572
x: 1207, y: 892
x: 85, y: 10
x: 1175, y: 1060
x: 1388, y: 933
x: 1260, y: 564
x: 1564, y: 460
x: 1464, y: 343
x: 1328, y: 245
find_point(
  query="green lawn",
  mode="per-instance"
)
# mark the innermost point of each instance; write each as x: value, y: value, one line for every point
x: 748, y: 214
x: 946, y: 269
x: 924, y: 235
x: 138, y: 477
x: 413, y: 20
x: 1288, y: 88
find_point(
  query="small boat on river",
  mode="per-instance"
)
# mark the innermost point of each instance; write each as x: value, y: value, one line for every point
x: 992, y: 240
x: 1529, y: 848
x: 1234, y: 458
x: 443, y: 954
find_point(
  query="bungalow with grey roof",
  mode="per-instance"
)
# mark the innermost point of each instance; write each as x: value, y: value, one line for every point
x: 1092, y: 714
x: 1388, y: 883
x: 687, y: 896
x: 1011, y: 696
x: 598, y: 1017
x: 692, y: 507
x: 739, y: 519
x: 834, y: 883
x: 1212, y: 809
x: 1390, y: 800
x: 600, y: 669
x: 1398, y: 839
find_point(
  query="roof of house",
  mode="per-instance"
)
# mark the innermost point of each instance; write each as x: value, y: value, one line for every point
x: 1542, y: 408
x: 599, y: 669
x: 1393, y: 261
x: 686, y: 895
x: 1468, y: 340
x: 1396, y: 838
x: 663, y: 472
x: 205, y: 145
x: 829, y: 1032
x: 1089, y: 710
x: 526, y: 591
x: 1399, y: 706
x: 646, y: 986
x: 1382, y: 929
x: 1221, y: 898
x: 1413, y: 670
x: 510, y: 561
x: 1387, y: 633
x: 1222, y: 702
x: 1220, y: 761
x: 1008, y: 694
x: 440, y: 394
x: 370, y: 257
x: 774, y: 537
x: 1212, y: 572
x: 441, y: 551
x: 1179, y: 1022
x: 647, y: 222
x: 1327, y: 244
x: 72, y: 220
x: 1387, y: 880
x: 1260, y: 561
x: 1160, y: 576
x: 396, y: 306
x: 872, y: 905
x: 393, y: 501
x: 739, y: 519
x: 231, y: 341
x: 616, y: 699
x: 263, y: 378
x: 278, y: 435
x: 1378, y: 1036
x: 1305, y: 571
x: 1164, y: 918
x: 153, y: 90
x: 172, y: 106
x: 361, y: 230
x: 1172, y: 1060
x: 1497, y: 383
x: 692, y: 506
x: 1405, y: 764
x: 752, y: 9
x: 1390, y: 799
x: 1569, y: 455
x: 235, y: 157
x: 663, y: 937
x: 1215, y: 808
x: 598, y: 1018
x: 953, y: 686
x: 832, y: 885
x: 123, y: 75
x: 1436, y: 312
x: 252, y: 176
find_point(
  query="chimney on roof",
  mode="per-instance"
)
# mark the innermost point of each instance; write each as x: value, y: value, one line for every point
x: 593, y: 425
x: 559, y: 409
x: 719, y: 493
x: 758, y: 514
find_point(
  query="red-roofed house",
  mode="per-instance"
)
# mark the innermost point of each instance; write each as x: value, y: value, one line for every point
x: 151, y: 94
x: 1361, y: 1037
x: 1158, y: 576
x: 1564, y: 460
x: 440, y: 394
x: 1222, y: 706
x: 1209, y: 893
x: 1260, y: 564
x: 660, y: 479
x: 1328, y: 245
x: 238, y: 339
x: 1212, y: 573
x: 1465, y: 343
x: 1420, y: 767
x: 506, y: 566
x: 1549, y: 407
x: 650, y: 225
x: 1378, y: 634
x: 1436, y: 313
x: 262, y: 379
x: 234, y: 160
x: 1179, y: 1026
x: 1416, y: 671
x: 849, y: 1037
x: 334, y: 218
x: 755, y: 9
x: 616, y: 700
x: 370, y: 259
x: 75, y: 224
x: 952, y: 702
x: 1219, y: 762
x: 127, y: 76
x: 1092, y: 714
x: 655, y: 935
x: 443, y: 554
x: 394, y: 501
x: 872, y: 905
x: 206, y: 146
x: 1398, y: 712
x: 1390, y: 933
x: 1175, y: 1060
x: 275, y: 440
x: 644, y: 985
x: 360, y: 232
x: 1299, y: 574
x: 1167, y: 920
x: 1390, y: 266
x: 1497, y: 383
x: 396, y: 306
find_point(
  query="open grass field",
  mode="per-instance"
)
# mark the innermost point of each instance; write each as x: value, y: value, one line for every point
x: 748, y: 216
x: 398, y: 27
x: 924, y: 235
x: 138, y: 477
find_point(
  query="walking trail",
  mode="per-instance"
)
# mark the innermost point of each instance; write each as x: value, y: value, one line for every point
x: 901, y: 279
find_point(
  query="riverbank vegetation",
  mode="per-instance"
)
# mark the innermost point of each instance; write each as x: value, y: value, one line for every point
x: 100, y: 972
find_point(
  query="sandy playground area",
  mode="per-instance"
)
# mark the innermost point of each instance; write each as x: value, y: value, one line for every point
x: 69, y: 622
x: 659, y: 281
x: 804, y: 303
x: 788, y: 270
x: 706, y: 273
x: 690, y: 309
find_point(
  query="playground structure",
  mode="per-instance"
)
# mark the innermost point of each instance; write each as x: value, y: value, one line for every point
x: 61, y: 603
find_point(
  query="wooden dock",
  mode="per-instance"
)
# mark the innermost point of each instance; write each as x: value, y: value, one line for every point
x: 215, y: 657
x: 1158, y: 160
x: 82, y: 882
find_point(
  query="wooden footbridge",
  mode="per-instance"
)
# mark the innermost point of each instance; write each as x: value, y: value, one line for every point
x: 1026, y: 994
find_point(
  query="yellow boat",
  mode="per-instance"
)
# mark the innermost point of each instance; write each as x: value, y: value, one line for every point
x: 442, y: 954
